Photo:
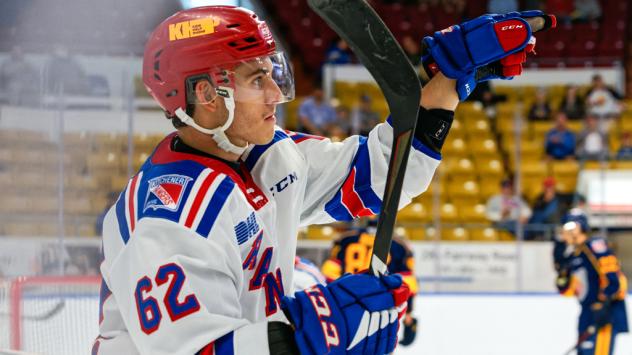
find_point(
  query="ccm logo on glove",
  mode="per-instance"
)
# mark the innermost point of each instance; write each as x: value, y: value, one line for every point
x: 505, y: 28
x: 322, y: 310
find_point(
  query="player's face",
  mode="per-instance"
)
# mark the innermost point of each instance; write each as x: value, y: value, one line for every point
x: 256, y: 98
x: 572, y: 234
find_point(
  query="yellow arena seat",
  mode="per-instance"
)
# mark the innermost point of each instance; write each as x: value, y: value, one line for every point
x: 77, y: 206
x: 541, y: 128
x: 45, y: 205
x: 463, y: 166
x: 21, y: 229
x: 464, y: 190
x: 416, y: 233
x: 484, y: 235
x: 565, y: 168
x: 449, y: 213
x: 454, y: 147
x: 622, y: 165
x: 505, y: 236
x: 486, y: 147
x: 321, y: 232
x: 50, y: 229
x: 431, y: 233
x: 537, y: 169
x: 457, y: 130
x: 489, y: 188
x: 414, y: 212
x: 490, y: 169
x: 458, y: 234
x: 478, y: 127
x: 566, y: 184
x: 595, y: 165
x: 472, y: 213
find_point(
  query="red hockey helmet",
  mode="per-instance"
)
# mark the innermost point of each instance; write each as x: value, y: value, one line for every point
x: 209, y: 42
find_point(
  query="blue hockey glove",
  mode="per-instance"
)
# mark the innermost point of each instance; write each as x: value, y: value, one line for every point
x: 497, y: 42
x: 356, y: 314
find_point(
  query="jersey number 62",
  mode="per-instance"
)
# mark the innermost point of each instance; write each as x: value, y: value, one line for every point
x: 147, y: 306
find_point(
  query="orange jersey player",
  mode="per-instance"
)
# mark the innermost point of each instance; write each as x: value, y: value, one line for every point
x: 351, y: 253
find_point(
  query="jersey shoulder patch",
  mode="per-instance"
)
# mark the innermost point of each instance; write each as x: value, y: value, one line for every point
x: 185, y: 193
x: 190, y: 192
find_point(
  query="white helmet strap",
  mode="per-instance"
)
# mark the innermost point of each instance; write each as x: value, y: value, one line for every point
x: 219, y: 133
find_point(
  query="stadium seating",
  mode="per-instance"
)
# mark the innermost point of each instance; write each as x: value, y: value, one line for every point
x: 601, y: 43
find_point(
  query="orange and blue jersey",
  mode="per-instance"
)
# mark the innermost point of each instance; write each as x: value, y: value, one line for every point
x: 595, y: 276
x: 352, y: 254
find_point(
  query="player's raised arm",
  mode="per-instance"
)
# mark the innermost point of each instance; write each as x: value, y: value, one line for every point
x: 346, y: 180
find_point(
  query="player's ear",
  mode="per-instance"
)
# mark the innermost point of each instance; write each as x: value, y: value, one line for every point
x: 205, y: 95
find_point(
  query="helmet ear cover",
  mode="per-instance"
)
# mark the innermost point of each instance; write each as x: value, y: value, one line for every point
x: 190, y: 96
x: 191, y: 82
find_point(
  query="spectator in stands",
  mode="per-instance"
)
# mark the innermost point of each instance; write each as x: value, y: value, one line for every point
x: 64, y: 74
x: 572, y: 103
x: 625, y: 150
x: 342, y: 127
x: 540, y: 110
x: 412, y: 49
x: 560, y: 142
x: 18, y: 79
x: 338, y: 53
x: 315, y: 114
x: 603, y: 101
x: 586, y: 10
x: 363, y: 118
x: 592, y: 143
x: 502, y: 6
x: 548, y: 209
x: 506, y: 209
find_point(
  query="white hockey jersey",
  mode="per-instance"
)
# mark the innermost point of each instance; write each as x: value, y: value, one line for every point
x: 195, y: 256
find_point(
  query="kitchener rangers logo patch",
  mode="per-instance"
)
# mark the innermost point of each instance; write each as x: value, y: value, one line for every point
x: 166, y: 191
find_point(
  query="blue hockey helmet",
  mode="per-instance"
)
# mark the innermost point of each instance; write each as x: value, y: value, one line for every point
x: 576, y: 215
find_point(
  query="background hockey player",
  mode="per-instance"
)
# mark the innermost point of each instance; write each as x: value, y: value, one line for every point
x: 587, y: 267
x: 351, y: 253
x: 199, y: 247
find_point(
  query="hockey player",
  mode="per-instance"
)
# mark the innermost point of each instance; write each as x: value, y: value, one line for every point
x: 199, y: 247
x: 589, y: 269
x: 351, y: 253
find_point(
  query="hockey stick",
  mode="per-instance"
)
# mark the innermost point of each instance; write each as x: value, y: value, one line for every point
x: 582, y: 338
x: 53, y: 311
x: 376, y: 48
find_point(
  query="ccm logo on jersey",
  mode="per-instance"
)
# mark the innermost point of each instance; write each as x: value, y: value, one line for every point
x: 323, y: 311
x: 166, y: 192
x: 283, y: 183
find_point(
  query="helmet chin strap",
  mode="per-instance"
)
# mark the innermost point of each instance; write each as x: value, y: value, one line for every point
x: 219, y: 133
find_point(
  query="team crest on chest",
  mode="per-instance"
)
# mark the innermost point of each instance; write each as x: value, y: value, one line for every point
x: 166, y: 192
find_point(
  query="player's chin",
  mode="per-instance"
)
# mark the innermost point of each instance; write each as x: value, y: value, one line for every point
x: 265, y: 133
